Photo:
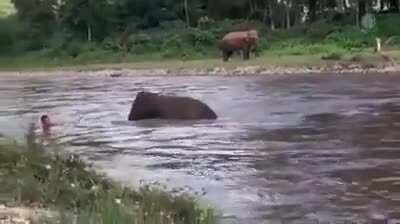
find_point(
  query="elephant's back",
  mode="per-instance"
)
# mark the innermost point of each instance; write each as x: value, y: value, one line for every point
x: 234, y: 35
x: 186, y: 108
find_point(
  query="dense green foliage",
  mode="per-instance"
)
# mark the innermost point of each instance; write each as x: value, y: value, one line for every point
x: 114, y: 30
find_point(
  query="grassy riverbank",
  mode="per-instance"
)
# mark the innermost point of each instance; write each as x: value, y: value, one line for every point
x: 266, y: 61
x: 36, y: 176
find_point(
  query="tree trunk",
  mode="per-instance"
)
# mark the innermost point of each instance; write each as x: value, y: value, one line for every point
x: 395, y: 5
x: 187, y: 13
x: 341, y: 6
x: 357, y: 13
x: 287, y: 16
x: 362, y: 6
x: 272, y: 24
x: 383, y: 4
x: 379, y: 4
x: 265, y: 16
x: 347, y: 3
x: 251, y: 6
x: 89, y: 32
x: 312, y: 7
x: 270, y: 16
x: 297, y: 15
x: 255, y: 6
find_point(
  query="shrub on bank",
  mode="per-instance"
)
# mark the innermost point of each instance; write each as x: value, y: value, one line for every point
x: 37, y: 175
x: 388, y: 25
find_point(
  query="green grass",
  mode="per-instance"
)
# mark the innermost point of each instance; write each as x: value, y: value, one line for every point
x: 269, y: 59
x: 6, y: 8
x: 149, y: 62
x: 35, y: 174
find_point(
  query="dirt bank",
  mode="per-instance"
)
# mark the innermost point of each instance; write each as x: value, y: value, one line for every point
x: 333, y: 68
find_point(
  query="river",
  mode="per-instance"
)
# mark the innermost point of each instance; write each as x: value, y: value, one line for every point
x: 285, y: 149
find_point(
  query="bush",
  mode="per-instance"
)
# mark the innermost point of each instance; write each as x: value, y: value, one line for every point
x: 321, y: 29
x: 173, y: 46
x: 8, y: 33
x: 174, y: 41
x: 73, y: 49
x: 393, y: 41
x: 201, y: 38
x: 98, y: 56
x: 18, y: 37
x: 142, y: 43
x: 351, y: 38
x: 332, y: 56
x: 301, y: 47
x: 263, y: 44
x: 34, y: 174
x: 173, y: 25
x: 112, y: 44
x: 388, y: 25
x: 76, y: 47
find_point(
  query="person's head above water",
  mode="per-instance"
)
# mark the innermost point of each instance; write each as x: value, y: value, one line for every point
x: 45, y: 121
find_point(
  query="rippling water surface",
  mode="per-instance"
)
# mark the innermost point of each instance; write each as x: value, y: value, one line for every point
x: 285, y: 148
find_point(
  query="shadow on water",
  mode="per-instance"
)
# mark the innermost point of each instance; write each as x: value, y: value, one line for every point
x: 285, y: 148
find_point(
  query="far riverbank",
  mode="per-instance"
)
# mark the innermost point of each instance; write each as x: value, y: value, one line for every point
x: 382, y: 63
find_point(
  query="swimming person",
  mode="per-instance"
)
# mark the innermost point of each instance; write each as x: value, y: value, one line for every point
x: 46, y: 124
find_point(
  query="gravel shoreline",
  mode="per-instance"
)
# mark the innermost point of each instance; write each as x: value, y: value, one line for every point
x: 218, y: 71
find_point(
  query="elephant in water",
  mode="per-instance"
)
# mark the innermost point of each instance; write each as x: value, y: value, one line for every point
x: 153, y: 106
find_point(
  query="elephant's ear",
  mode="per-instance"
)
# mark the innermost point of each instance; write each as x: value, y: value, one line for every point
x: 248, y: 36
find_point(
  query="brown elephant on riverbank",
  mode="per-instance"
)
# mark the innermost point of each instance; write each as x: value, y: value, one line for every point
x: 153, y: 106
x: 244, y: 41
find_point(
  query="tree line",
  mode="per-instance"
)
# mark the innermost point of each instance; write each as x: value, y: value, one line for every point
x: 97, y: 19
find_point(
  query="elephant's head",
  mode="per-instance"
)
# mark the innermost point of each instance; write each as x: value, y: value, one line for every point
x: 144, y: 106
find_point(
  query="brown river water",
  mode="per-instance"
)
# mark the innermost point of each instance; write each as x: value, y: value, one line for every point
x: 285, y: 149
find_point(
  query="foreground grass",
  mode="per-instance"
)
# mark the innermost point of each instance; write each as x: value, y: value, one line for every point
x: 31, y: 62
x: 33, y: 175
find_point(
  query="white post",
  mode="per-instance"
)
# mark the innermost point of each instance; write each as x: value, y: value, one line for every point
x: 287, y: 16
x: 187, y: 13
x: 89, y: 32
x: 378, y: 45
